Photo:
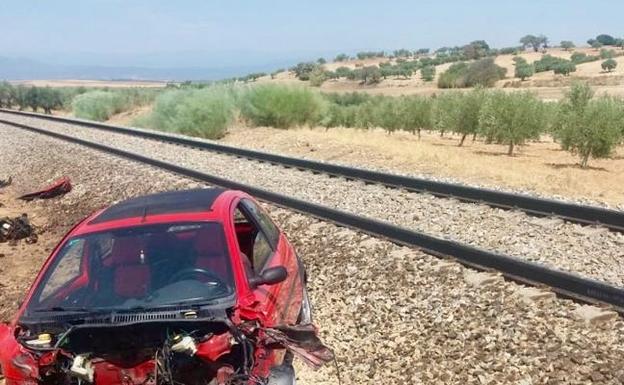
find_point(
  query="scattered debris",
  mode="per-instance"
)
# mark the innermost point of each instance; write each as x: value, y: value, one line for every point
x: 13, y: 229
x: 6, y: 182
x: 59, y: 187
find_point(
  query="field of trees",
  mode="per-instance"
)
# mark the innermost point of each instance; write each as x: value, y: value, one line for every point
x: 586, y: 125
x: 582, y: 123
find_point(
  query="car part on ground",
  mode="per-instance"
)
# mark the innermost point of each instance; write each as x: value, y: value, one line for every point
x: 59, y: 187
x: 14, y: 229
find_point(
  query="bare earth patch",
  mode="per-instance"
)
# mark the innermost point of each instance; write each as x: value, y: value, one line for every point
x: 20, y: 262
x: 541, y: 167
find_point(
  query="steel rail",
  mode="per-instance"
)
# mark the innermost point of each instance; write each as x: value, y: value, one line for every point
x: 566, y: 284
x: 572, y: 212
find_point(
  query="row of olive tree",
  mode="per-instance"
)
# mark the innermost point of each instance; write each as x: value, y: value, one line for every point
x: 35, y: 98
x: 589, y: 127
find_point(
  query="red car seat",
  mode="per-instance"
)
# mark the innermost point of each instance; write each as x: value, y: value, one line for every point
x: 212, y: 254
x: 131, y: 275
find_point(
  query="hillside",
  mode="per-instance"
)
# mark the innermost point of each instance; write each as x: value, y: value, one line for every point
x: 546, y: 84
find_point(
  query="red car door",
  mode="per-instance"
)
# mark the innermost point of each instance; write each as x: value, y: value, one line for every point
x: 264, y: 246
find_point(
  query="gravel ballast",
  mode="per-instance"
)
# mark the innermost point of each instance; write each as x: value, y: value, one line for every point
x: 588, y: 251
x: 393, y: 315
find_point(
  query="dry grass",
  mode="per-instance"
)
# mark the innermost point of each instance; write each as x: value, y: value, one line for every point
x: 540, y: 167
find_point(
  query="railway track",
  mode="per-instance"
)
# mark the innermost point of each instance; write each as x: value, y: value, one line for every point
x: 564, y: 283
x: 571, y: 212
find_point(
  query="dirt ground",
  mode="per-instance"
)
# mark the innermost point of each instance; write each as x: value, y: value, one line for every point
x: 540, y: 167
x: 20, y: 261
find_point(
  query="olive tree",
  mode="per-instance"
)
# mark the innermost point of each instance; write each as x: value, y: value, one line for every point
x: 20, y: 96
x: 446, y: 112
x: 469, y: 108
x: 511, y: 118
x: 417, y: 114
x: 6, y: 95
x: 535, y: 42
x: 588, y: 127
x: 567, y: 45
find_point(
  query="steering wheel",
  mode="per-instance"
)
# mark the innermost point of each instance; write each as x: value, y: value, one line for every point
x: 191, y: 271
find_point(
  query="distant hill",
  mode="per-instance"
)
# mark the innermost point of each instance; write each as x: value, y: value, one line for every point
x: 25, y: 69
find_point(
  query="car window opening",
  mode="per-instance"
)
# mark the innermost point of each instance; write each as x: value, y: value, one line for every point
x: 153, y: 266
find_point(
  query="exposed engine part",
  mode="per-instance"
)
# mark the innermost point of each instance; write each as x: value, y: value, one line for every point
x: 184, y: 344
x: 43, y: 340
x: 82, y: 369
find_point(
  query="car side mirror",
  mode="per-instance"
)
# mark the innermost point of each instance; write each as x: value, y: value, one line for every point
x: 270, y: 276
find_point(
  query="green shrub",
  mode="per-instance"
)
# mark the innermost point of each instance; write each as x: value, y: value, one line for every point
x: 580, y: 57
x: 454, y: 76
x: 205, y: 112
x: 318, y: 76
x: 607, y: 53
x: 97, y: 105
x: 564, y: 68
x: 548, y: 63
x: 427, y: 73
x: 348, y: 98
x: 303, y: 70
x: 483, y: 72
x: 589, y: 128
x: 609, y: 65
x: 509, y: 50
x: 523, y: 69
x: 511, y: 119
x: 282, y: 106
x: 343, y: 72
x: 101, y: 105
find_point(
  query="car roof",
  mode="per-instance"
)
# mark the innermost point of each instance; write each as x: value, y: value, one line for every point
x: 170, y: 202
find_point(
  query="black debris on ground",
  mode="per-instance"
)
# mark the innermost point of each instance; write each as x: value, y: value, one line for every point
x: 6, y: 182
x: 14, y: 229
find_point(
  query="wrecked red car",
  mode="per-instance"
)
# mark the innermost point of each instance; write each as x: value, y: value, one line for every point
x: 184, y: 287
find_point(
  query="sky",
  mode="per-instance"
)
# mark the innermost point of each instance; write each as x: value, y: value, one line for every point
x: 213, y: 32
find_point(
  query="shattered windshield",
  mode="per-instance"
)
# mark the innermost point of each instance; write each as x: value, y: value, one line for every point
x: 145, y: 267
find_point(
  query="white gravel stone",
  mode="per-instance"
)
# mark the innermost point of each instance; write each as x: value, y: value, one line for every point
x: 548, y: 241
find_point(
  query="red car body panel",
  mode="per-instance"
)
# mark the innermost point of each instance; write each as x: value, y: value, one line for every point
x: 269, y: 305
